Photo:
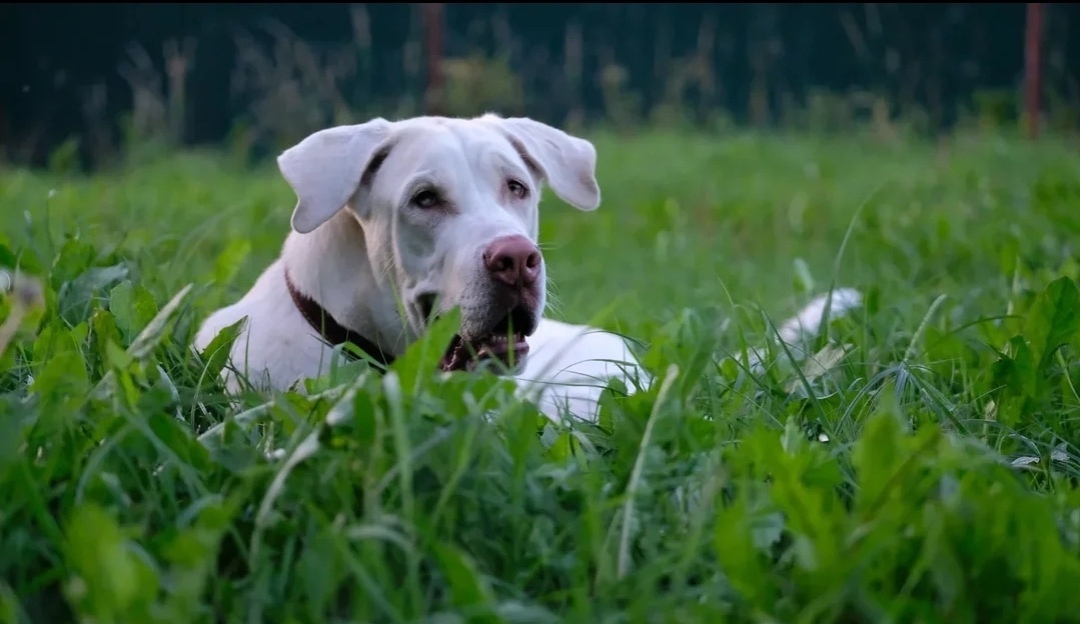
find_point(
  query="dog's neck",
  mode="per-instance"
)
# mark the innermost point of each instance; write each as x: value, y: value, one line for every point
x: 331, y: 266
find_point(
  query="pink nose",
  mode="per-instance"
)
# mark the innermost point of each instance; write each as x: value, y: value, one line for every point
x: 514, y: 261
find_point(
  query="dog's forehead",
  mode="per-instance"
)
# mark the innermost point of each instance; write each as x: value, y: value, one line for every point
x: 463, y: 146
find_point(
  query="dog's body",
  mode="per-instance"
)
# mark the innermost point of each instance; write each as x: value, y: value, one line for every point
x: 398, y: 221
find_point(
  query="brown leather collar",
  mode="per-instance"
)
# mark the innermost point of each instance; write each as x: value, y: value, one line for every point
x: 329, y: 329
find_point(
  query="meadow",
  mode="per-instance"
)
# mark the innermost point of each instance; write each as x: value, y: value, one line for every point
x: 921, y: 467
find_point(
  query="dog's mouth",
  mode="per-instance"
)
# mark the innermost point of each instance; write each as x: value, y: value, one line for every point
x: 467, y: 355
x: 504, y: 343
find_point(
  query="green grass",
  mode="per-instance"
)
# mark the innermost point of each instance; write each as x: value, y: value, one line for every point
x: 925, y: 472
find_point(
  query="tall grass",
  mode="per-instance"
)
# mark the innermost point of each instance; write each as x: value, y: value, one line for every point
x: 921, y: 467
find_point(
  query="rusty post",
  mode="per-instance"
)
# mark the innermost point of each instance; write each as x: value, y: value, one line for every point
x: 433, y: 43
x: 1033, y: 67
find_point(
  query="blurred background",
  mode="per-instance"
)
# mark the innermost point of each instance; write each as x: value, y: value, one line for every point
x: 79, y: 82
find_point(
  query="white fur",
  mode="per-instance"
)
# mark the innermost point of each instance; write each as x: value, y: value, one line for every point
x: 361, y: 249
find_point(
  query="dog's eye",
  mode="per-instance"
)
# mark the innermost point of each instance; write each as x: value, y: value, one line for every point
x: 425, y: 199
x: 518, y: 189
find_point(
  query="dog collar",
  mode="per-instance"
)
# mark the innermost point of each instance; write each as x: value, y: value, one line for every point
x: 329, y: 329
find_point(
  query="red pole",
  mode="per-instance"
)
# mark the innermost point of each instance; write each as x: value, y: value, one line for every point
x: 1033, y: 66
x: 433, y: 23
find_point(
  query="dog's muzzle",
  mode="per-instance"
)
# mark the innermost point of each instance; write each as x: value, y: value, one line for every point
x: 514, y: 266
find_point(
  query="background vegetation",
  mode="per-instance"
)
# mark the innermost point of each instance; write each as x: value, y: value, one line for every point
x: 260, y: 76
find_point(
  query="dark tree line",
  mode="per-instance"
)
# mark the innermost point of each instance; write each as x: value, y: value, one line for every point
x: 204, y: 70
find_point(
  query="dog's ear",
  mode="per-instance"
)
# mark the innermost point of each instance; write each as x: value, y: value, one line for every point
x: 325, y: 169
x: 567, y: 163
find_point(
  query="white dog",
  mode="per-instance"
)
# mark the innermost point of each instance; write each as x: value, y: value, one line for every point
x: 397, y: 222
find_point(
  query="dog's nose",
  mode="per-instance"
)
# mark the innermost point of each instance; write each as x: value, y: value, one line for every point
x: 514, y: 261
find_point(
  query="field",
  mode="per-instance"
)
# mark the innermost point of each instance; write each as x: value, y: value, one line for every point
x: 921, y: 467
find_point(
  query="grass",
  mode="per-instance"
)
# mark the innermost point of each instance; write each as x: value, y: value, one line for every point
x: 922, y: 467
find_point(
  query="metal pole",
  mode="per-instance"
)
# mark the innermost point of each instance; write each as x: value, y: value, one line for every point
x: 433, y: 41
x: 1033, y: 67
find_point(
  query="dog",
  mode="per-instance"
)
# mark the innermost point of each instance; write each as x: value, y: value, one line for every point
x: 399, y: 222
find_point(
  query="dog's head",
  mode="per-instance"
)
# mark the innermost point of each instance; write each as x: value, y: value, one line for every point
x: 449, y: 210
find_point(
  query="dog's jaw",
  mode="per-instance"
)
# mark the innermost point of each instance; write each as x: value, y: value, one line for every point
x: 505, y: 342
x: 463, y: 355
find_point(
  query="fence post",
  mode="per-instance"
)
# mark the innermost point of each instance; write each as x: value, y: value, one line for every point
x: 1033, y: 67
x: 433, y: 43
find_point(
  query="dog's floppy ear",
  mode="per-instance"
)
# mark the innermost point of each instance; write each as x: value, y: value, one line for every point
x: 324, y: 170
x: 567, y: 163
